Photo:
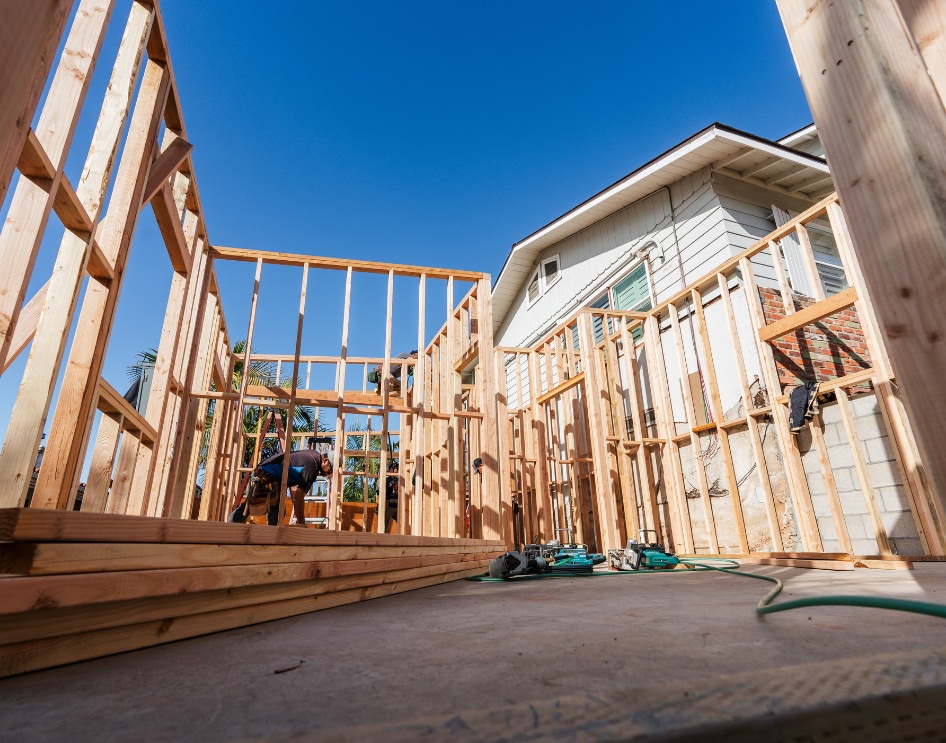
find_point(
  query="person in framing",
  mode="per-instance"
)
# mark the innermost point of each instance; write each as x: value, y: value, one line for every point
x: 262, y: 493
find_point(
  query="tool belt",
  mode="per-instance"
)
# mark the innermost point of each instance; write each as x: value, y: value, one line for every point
x: 262, y: 493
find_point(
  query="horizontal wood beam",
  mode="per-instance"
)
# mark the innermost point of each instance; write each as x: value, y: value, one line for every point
x: 323, y: 398
x: 26, y: 525
x: 110, y: 401
x: 25, y: 327
x: 172, y: 231
x: 34, y: 162
x: 811, y: 314
x: 70, y: 210
x: 166, y: 165
x: 99, y: 266
x: 559, y: 389
x: 339, y: 264
x: 732, y: 264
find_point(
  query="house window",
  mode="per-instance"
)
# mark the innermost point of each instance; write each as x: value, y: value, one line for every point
x: 632, y: 293
x: 551, y: 271
x: 533, y: 290
x: 824, y: 251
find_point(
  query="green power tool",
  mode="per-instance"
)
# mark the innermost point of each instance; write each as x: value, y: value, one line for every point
x: 643, y: 555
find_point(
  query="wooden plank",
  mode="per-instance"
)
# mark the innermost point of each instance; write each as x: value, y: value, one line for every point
x: 605, y: 506
x: 70, y: 209
x: 340, y: 264
x: 160, y: 401
x: 490, y: 452
x: 71, y: 604
x: 103, y: 457
x: 816, y: 428
x: 172, y: 231
x: 878, y: 115
x: 55, y: 558
x: 172, y: 156
x: 758, y: 454
x: 629, y: 502
x: 561, y: 388
x: 182, y: 476
x: 29, y: 210
x: 323, y: 398
x: 909, y: 463
x: 72, y: 422
x: 673, y: 472
x: 25, y: 326
x: 811, y: 314
x: 790, y: 563
x: 696, y: 445
x: 33, y: 655
x: 798, y: 484
x: 30, y: 36
x: 863, y: 474
x: 808, y: 259
x: 124, y: 472
x: 33, y: 161
x: 110, y: 401
x: 382, y: 488
x: 788, y: 302
x: 32, y: 525
x: 717, y: 410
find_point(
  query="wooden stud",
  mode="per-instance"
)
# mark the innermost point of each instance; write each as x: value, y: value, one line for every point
x: 775, y: 532
x: 717, y: 410
x: 878, y: 115
x: 696, y: 444
x: 794, y: 471
x: 32, y: 405
x: 863, y: 474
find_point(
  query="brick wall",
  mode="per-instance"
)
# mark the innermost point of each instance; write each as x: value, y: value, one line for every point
x: 828, y: 349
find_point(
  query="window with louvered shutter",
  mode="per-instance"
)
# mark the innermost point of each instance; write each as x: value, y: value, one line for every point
x: 532, y: 291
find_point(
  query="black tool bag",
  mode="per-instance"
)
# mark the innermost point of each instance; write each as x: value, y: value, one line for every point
x: 262, y: 493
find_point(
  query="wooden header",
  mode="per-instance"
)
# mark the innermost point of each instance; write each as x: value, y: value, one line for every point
x: 340, y: 264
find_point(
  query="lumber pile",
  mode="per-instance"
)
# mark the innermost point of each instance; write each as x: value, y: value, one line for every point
x: 75, y: 586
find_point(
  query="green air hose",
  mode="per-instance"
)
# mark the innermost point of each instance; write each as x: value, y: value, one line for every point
x: 764, y: 606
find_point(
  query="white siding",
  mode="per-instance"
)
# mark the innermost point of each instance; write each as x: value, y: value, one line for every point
x: 601, y: 254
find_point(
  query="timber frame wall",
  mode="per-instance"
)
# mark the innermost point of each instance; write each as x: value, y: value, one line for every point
x: 146, y: 464
x: 588, y: 459
x: 135, y: 562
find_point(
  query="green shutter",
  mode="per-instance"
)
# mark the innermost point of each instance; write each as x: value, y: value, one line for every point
x: 633, y: 292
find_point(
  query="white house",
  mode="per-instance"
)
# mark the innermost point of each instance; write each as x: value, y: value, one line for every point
x: 662, y: 226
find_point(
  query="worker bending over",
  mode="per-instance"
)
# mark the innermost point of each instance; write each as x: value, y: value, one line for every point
x: 305, y: 465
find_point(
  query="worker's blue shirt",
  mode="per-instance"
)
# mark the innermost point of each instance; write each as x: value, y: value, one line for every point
x: 305, y: 465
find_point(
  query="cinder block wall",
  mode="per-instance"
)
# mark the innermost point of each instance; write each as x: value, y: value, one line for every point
x: 887, y: 487
x: 827, y: 349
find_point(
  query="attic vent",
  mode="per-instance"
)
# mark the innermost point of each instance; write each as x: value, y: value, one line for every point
x: 532, y: 291
x: 550, y: 270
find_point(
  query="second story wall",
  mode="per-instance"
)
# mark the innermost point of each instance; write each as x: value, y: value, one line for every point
x: 677, y: 244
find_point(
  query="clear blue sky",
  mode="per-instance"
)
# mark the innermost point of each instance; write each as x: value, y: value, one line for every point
x: 433, y: 133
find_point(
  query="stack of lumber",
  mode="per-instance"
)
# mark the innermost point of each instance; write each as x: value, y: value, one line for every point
x: 75, y: 586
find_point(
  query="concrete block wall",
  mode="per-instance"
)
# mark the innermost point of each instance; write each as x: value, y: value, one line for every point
x: 889, y: 492
x: 824, y: 350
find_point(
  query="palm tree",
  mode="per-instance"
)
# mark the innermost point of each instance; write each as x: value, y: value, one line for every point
x: 368, y: 468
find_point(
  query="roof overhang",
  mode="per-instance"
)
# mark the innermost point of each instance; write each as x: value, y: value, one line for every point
x: 730, y: 151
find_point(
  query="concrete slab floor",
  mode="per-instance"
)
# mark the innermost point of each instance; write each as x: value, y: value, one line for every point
x: 464, y: 646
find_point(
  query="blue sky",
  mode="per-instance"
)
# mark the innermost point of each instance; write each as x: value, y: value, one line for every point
x: 432, y: 133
